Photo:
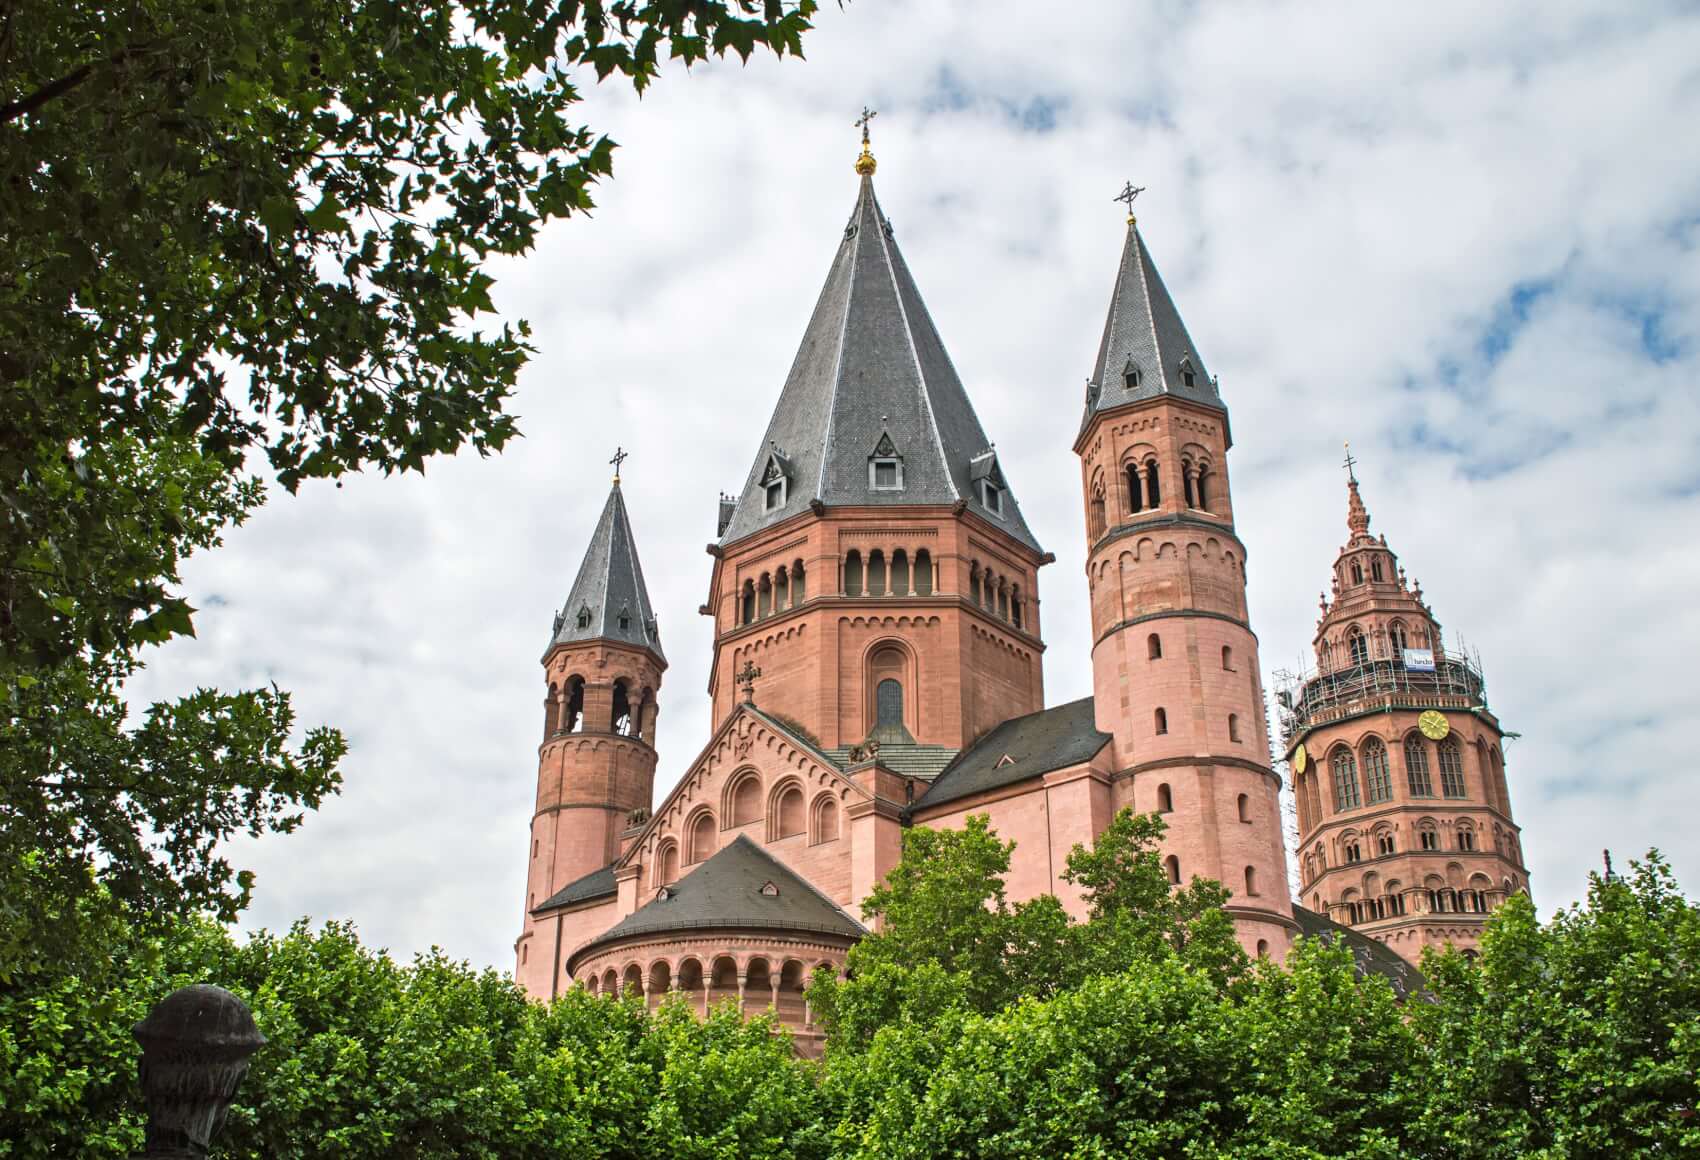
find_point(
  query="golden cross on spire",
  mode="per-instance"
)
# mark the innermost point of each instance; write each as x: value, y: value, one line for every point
x: 1128, y: 193
x: 865, y: 164
x: 620, y: 456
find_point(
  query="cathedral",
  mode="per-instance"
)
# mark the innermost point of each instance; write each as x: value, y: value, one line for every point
x: 877, y: 639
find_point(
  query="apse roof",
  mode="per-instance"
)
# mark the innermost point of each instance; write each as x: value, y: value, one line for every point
x: 871, y: 379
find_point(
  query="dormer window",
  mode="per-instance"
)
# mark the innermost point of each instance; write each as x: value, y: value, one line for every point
x: 584, y: 617
x: 773, y: 495
x: 1189, y: 376
x: 625, y: 620
x: 991, y: 495
x: 769, y: 890
x: 1130, y: 374
x: 885, y: 474
x: 775, y: 481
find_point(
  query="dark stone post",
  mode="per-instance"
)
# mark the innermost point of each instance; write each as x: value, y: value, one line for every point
x: 195, y: 1047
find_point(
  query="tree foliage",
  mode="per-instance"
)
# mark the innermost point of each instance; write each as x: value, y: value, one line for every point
x: 246, y: 242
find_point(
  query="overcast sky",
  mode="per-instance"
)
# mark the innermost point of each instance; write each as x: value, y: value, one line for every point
x: 1463, y: 236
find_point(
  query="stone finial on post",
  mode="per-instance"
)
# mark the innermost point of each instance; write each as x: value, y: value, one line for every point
x: 195, y: 1048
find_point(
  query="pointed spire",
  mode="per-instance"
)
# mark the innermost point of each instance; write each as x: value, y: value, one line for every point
x: 609, y: 600
x: 1146, y: 351
x: 1357, y: 516
x: 870, y: 375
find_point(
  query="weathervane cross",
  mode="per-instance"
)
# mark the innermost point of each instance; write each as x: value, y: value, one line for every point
x: 1348, y: 463
x: 867, y: 115
x: 1128, y: 193
x: 746, y: 679
x: 620, y: 456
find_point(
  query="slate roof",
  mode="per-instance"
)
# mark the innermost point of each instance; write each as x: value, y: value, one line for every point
x: 911, y: 759
x: 610, y: 587
x: 725, y: 892
x: 596, y: 884
x: 1053, y: 738
x: 871, y: 367
x: 1369, y: 956
x: 1144, y: 332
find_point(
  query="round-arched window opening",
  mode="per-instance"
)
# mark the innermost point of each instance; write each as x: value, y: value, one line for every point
x: 888, y: 702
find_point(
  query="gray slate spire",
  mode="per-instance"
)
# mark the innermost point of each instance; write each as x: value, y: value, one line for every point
x: 871, y: 379
x: 1146, y: 351
x: 609, y: 600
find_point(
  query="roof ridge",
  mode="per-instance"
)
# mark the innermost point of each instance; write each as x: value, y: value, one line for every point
x: 855, y: 241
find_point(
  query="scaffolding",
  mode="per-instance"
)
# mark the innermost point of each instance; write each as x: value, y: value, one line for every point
x: 1306, y: 699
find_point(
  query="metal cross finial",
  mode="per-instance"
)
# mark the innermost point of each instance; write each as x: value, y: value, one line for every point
x: 1128, y: 193
x: 746, y: 679
x: 867, y: 115
x: 620, y: 456
x: 1348, y: 463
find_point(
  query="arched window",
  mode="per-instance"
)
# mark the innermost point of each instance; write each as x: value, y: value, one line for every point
x: 1228, y: 658
x: 974, y: 584
x: 700, y: 837
x: 888, y: 703
x: 1428, y: 837
x: 1186, y: 483
x: 1245, y: 808
x: 1262, y: 948
x: 572, y: 714
x: 1203, y: 487
x: 1356, y: 645
x: 824, y: 820
x: 923, y: 573
x: 1357, y: 572
x: 764, y: 596
x: 852, y: 573
x: 1466, y: 836
x: 781, y: 589
x: 1375, y: 569
x: 1153, y: 490
x: 1397, y: 637
x: 1384, y: 842
x: 797, y: 592
x: 1346, y: 795
x: 667, y: 863
x: 1354, y: 851
x: 622, y: 715
x: 1451, y: 768
x: 1233, y: 726
x: 1378, y: 782
x: 1172, y: 866
x: 1161, y: 720
x: 1003, y: 600
x: 876, y: 573
x: 1154, y: 647
x: 1015, y: 614
x: 1135, y: 489
x: 1095, y: 509
x: 1165, y: 799
x: 1251, y: 881
x: 747, y: 610
x: 1416, y: 767
x: 900, y: 573
x: 788, y: 816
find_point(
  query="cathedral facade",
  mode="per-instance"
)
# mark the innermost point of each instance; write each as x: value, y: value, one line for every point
x: 877, y: 648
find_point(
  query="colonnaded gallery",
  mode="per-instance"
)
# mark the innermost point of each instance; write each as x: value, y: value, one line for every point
x: 878, y: 631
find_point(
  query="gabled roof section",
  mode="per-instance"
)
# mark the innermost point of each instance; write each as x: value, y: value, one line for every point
x: 1146, y: 351
x: 871, y: 365
x: 1020, y: 748
x: 728, y: 892
x: 609, y: 601
x: 1369, y: 956
x: 596, y: 884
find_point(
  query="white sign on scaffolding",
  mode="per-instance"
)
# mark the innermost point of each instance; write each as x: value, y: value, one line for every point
x: 1419, y: 660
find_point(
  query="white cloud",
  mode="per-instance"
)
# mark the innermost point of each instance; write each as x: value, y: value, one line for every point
x: 1345, y: 201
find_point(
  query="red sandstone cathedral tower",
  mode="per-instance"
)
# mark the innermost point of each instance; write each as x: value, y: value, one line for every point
x: 596, y: 765
x: 1399, y: 768
x: 1174, y: 661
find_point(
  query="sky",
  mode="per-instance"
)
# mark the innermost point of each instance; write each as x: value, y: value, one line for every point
x: 1466, y: 237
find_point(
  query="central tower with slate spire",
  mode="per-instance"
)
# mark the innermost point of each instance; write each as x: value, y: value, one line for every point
x: 876, y: 565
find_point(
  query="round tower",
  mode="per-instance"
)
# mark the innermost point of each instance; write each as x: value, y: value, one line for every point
x: 596, y: 763
x: 1175, y: 665
x: 1398, y: 764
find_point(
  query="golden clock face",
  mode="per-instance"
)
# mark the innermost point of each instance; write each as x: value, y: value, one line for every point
x: 1434, y: 725
x: 1300, y: 758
